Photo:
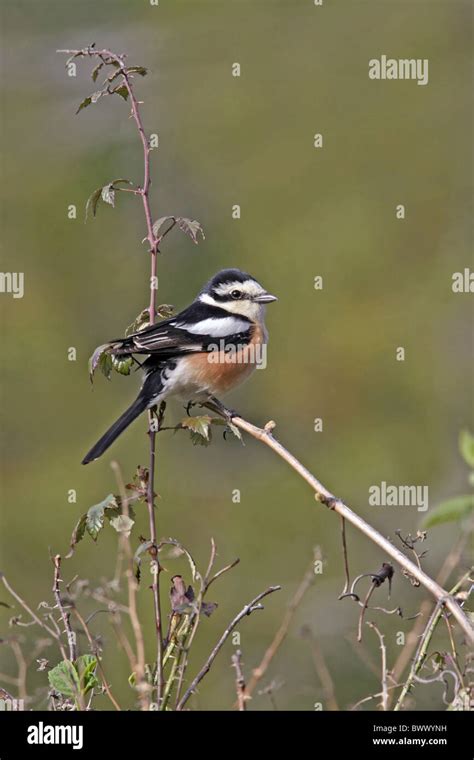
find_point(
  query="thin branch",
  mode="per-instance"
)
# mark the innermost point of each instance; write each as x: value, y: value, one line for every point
x: 35, y: 617
x: 426, y: 608
x: 239, y: 680
x: 93, y: 647
x: 247, y: 610
x: 424, y: 644
x: 337, y: 505
x: 132, y: 586
x: 71, y: 636
x: 347, y: 574
x: 383, y: 649
x: 220, y: 572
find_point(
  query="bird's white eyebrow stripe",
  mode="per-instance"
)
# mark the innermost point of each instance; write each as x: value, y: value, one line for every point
x: 216, y: 327
x: 251, y: 287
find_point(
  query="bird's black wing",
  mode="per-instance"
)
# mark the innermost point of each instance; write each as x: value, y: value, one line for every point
x: 193, y: 330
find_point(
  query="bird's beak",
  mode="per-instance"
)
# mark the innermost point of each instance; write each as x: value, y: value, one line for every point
x: 265, y: 298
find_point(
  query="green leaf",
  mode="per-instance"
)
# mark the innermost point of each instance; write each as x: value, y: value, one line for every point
x: 106, y: 193
x: 122, y: 91
x: 200, y: 429
x: 95, y: 516
x: 139, y: 323
x: 122, y: 524
x: 122, y: 364
x: 158, y: 226
x: 77, y: 534
x: 191, y: 228
x: 137, y: 70
x: 452, y: 510
x: 91, y: 99
x: 92, y: 202
x: 466, y: 447
x: 164, y: 310
x: 144, y: 546
x: 85, y: 103
x: 96, y: 70
x: 86, y: 665
x: 64, y: 679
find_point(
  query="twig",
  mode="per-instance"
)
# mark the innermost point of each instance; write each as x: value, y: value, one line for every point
x: 71, y: 636
x: 425, y: 609
x: 424, y: 644
x: 220, y: 572
x: 132, y: 598
x: 347, y: 574
x: 261, y: 669
x: 247, y: 610
x: 384, y: 665
x: 239, y: 680
x: 337, y: 505
x: 374, y: 696
x: 93, y: 647
x: 35, y: 617
x: 194, y: 619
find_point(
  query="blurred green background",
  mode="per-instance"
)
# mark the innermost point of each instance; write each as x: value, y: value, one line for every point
x: 305, y: 212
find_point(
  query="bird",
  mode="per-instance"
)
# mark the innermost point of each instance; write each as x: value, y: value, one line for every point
x: 203, y: 352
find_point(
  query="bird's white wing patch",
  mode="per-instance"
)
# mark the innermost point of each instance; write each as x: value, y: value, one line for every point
x: 216, y: 327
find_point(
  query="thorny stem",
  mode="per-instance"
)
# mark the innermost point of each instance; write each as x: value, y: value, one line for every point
x: 383, y: 649
x: 71, y: 636
x: 105, y: 56
x: 236, y: 660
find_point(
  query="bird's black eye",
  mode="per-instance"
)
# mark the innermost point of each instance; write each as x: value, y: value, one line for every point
x: 236, y: 294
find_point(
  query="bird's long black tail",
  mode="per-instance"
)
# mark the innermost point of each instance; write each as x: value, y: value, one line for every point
x: 130, y: 414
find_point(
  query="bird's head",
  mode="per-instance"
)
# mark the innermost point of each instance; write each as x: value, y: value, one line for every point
x: 236, y: 292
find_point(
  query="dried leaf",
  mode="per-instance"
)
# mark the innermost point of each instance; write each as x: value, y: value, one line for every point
x: 191, y: 228
x: 137, y: 70
x: 77, y: 534
x: 96, y: 70
x: 122, y: 524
